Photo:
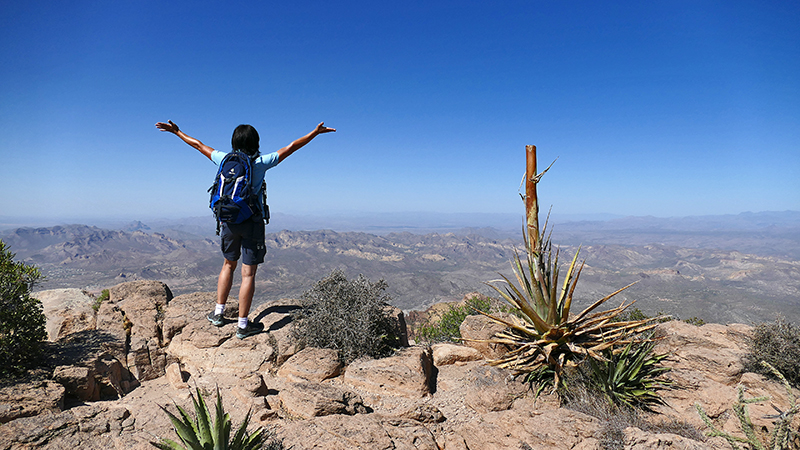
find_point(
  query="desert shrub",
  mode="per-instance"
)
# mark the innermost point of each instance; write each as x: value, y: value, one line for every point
x: 777, y: 343
x: 201, y: 431
x: 781, y: 437
x: 100, y: 299
x: 696, y: 321
x: 349, y: 316
x: 631, y: 314
x: 22, y: 321
x: 447, y: 328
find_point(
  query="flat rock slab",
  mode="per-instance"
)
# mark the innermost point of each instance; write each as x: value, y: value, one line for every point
x: 363, y: 431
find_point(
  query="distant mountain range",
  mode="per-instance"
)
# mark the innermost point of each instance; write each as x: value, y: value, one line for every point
x: 740, y: 268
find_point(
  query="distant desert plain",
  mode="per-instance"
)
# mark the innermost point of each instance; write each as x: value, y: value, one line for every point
x: 741, y: 268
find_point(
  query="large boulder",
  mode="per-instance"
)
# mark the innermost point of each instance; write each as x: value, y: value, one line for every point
x: 311, y: 364
x: 67, y: 311
x: 78, y: 381
x: 399, y: 328
x: 277, y: 319
x: 203, y: 348
x: 409, y: 373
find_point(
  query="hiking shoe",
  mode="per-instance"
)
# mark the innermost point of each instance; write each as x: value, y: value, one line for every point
x: 251, y: 329
x: 216, y: 319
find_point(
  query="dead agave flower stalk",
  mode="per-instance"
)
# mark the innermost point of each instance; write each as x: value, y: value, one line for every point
x: 547, y: 335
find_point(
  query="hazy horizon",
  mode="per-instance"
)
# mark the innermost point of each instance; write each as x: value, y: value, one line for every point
x: 370, y: 221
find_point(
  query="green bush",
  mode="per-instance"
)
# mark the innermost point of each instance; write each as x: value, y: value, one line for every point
x: 22, y: 321
x: 447, y: 328
x: 352, y: 317
x: 696, y: 321
x: 99, y: 300
x: 777, y: 343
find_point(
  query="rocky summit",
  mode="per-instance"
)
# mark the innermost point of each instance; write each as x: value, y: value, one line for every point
x: 111, y: 369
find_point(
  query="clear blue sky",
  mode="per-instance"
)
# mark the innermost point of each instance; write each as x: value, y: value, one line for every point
x: 664, y: 108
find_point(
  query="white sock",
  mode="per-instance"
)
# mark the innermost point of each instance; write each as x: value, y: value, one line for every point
x: 242, y: 322
x: 219, y: 309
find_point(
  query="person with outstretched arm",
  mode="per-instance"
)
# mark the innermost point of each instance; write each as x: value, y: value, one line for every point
x: 246, y: 239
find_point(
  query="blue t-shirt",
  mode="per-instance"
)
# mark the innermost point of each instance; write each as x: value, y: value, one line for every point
x: 260, y: 166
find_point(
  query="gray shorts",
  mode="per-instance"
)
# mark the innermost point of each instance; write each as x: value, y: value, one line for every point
x: 244, y: 239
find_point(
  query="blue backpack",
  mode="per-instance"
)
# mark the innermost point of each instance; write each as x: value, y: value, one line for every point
x: 232, y: 196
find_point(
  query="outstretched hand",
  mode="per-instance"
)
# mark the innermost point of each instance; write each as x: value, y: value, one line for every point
x: 170, y: 126
x: 321, y: 128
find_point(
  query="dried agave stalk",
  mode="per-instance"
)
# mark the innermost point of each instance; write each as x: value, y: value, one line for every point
x: 547, y: 336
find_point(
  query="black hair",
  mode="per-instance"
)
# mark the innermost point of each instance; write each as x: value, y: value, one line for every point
x: 245, y: 138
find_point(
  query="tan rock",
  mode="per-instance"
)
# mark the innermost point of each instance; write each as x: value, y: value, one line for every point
x: 445, y: 353
x: 286, y: 344
x: 176, y: 377
x: 133, y: 317
x: 636, y: 439
x: 362, y: 431
x: 146, y: 359
x: 549, y: 429
x: 712, y: 348
x: 30, y: 399
x: 410, y: 373
x: 706, y: 365
x: 479, y: 328
x: 78, y: 381
x: 308, y: 400
x: 144, y: 304
x: 67, y: 311
x: 193, y: 309
x: 236, y: 356
x: 423, y: 412
x: 489, y: 398
x: 311, y: 364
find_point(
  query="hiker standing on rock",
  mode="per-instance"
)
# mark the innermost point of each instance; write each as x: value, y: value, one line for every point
x: 240, y: 223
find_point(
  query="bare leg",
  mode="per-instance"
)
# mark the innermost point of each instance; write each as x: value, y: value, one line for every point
x: 225, y: 282
x: 247, y: 289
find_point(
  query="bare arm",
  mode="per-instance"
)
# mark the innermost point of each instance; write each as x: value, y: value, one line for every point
x: 172, y: 128
x: 298, y: 143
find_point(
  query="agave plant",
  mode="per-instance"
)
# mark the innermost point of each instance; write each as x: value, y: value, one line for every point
x: 632, y: 376
x: 201, y: 433
x: 548, y: 335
